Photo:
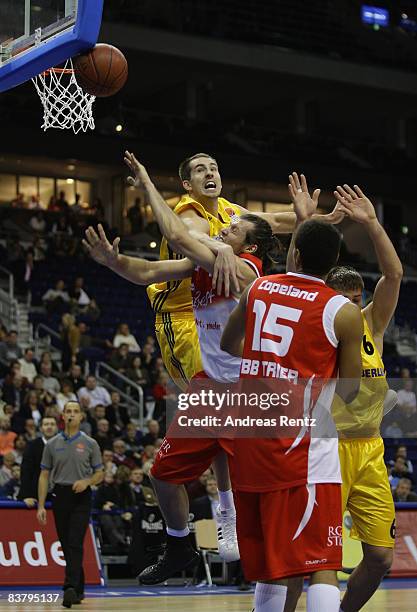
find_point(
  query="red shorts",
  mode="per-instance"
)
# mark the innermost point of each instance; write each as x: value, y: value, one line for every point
x: 182, y: 460
x: 291, y: 532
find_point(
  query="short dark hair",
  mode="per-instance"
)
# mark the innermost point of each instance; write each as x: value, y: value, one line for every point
x: 184, y: 169
x: 48, y: 417
x: 318, y: 244
x: 344, y: 278
x: 268, y: 245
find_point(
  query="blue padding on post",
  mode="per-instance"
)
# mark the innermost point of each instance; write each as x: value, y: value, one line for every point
x: 11, y: 503
x: 83, y: 36
x: 406, y: 505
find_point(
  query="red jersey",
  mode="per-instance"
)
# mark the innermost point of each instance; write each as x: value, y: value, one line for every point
x: 290, y: 336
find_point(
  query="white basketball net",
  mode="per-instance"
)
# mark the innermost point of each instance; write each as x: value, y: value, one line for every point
x: 65, y: 104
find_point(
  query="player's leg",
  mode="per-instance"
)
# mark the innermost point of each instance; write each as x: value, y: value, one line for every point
x: 226, y: 512
x: 367, y: 577
x: 180, y: 460
x: 323, y: 592
x: 278, y: 595
x: 373, y: 514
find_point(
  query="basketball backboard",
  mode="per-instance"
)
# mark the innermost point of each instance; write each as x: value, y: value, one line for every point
x: 38, y: 34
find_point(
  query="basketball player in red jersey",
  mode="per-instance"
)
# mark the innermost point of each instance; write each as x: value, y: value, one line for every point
x: 288, y: 499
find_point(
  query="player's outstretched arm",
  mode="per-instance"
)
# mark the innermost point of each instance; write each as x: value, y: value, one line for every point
x: 385, y: 299
x: 348, y: 327
x: 136, y: 270
x: 304, y: 208
x: 233, y: 337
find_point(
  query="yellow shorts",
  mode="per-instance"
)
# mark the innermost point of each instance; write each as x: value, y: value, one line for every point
x: 180, y: 349
x: 366, y: 491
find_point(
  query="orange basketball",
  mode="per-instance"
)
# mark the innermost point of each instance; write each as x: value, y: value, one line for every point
x: 102, y: 71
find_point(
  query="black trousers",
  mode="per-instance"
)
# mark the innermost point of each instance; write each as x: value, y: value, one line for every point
x: 72, y: 514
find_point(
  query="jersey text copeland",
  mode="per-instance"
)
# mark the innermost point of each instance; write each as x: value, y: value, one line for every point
x: 289, y: 290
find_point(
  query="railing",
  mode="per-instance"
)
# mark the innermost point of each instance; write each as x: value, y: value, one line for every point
x: 10, y: 281
x: 8, y: 303
x: 136, y: 407
x: 50, y: 333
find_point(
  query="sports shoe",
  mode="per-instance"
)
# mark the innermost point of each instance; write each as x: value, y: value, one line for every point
x: 226, y: 535
x: 70, y: 597
x: 177, y: 557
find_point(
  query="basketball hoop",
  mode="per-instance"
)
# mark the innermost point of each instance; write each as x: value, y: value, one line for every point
x: 65, y: 104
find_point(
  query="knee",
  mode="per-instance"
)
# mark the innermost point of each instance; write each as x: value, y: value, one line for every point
x: 379, y: 559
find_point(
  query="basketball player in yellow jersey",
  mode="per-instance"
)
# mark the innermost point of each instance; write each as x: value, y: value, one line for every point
x: 366, y: 490
x: 204, y: 211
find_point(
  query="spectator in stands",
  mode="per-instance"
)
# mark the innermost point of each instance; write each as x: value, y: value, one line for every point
x: 162, y: 392
x: 398, y: 470
x: 136, y: 216
x: 85, y: 424
x: 14, y: 392
x: 30, y: 431
x: 407, y: 420
x: 65, y: 395
x: 120, y: 456
x: 20, y: 445
x: 47, y: 358
x: 7, y: 437
x: 19, y: 201
x: 393, y: 430
x: 147, y: 356
x: 403, y: 493
x: 23, y: 274
x: 56, y: 300
x: 123, y: 336
x: 6, y: 410
x: 205, y: 507
x: 197, y: 488
x: 50, y: 383
x: 32, y: 408
x: 120, y: 360
x: 153, y: 433
x: 133, y: 439
x: 28, y: 368
x: 32, y: 461
x: 91, y: 312
x: 6, y: 468
x: 402, y: 452
x: 95, y: 415
x: 46, y: 398
x: 152, y: 341
x: 39, y: 249
x: 70, y: 340
x: 109, y: 465
x: 9, y: 349
x: 11, y: 489
x: 78, y: 294
x: 138, y: 374
x: 117, y: 414
x: 406, y: 395
x: 142, y: 494
x: 103, y: 436
x: 75, y: 377
x: 97, y: 394
x: 110, y: 496
x: 14, y: 251
x: 88, y: 348
x: 62, y: 204
x: 38, y: 222
x: 52, y: 206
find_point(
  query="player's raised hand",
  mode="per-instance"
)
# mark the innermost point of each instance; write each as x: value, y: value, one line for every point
x: 100, y: 248
x: 355, y: 204
x: 304, y: 204
x: 140, y: 174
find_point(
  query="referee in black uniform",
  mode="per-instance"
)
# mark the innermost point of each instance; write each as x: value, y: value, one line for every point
x: 73, y: 460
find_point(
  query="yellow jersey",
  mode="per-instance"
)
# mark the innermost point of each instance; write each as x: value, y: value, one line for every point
x: 175, y: 296
x: 362, y: 418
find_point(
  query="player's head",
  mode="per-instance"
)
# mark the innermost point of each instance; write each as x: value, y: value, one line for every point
x: 200, y: 176
x: 348, y: 282
x: 317, y: 246
x: 252, y: 234
x: 72, y: 414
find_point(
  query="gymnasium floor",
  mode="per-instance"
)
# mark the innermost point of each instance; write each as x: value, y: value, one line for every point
x: 394, y: 595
